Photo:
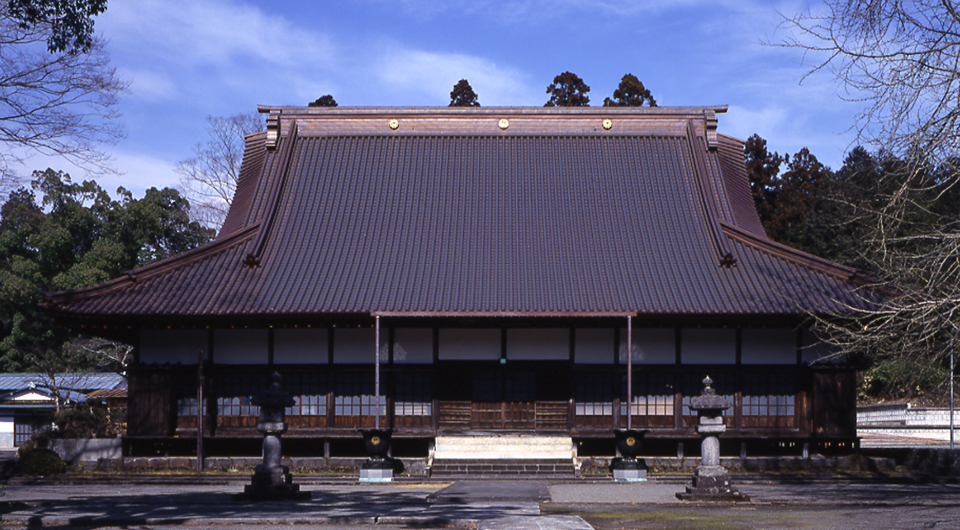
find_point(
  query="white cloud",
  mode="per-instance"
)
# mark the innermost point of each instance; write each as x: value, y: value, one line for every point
x: 511, y: 10
x: 210, y: 32
x: 137, y: 173
x: 133, y: 171
x: 434, y: 75
x: 149, y: 85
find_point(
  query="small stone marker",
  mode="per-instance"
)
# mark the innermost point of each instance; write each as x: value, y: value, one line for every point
x: 272, y: 480
x: 711, y: 482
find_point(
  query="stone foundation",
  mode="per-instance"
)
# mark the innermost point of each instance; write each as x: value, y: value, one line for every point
x: 242, y: 465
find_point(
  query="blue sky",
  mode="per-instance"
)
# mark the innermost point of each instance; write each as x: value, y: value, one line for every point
x: 186, y: 60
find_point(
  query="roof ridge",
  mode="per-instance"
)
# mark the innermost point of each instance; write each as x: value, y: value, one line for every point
x: 251, y: 170
x: 706, y: 194
x: 153, y: 269
x: 287, y: 111
x: 274, y: 197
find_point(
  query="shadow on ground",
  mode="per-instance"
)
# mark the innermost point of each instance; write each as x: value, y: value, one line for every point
x: 357, y: 507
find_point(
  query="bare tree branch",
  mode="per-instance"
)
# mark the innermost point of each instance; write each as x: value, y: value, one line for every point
x: 209, y: 179
x: 61, y: 104
x: 902, y: 59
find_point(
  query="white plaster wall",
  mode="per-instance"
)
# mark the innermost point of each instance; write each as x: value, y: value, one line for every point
x: 708, y: 346
x: 469, y: 344
x: 33, y: 396
x: 240, y: 346
x: 593, y: 346
x: 538, y: 344
x: 300, y: 345
x: 413, y: 345
x: 6, y: 432
x: 356, y: 345
x: 768, y: 346
x: 172, y: 345
x: 650, y: 346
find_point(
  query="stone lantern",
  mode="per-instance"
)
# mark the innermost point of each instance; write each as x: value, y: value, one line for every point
x: 710, y: 482
x: 272, y: 480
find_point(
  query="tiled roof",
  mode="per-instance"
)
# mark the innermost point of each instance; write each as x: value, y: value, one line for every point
x: 484, y: 211
x: 82, y: 382
x: 108, y: 393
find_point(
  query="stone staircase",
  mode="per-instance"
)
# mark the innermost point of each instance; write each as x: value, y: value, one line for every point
x: 503, y: 456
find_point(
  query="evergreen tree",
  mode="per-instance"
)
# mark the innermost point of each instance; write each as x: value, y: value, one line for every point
x: 568, y: 90
x: 77, y: 236
x: 323, y: 101
x: 630, y: 93
x: 763, y: 169
x: 463, y: 95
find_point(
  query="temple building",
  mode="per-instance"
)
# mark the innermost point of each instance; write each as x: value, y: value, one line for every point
x: 503, y: 257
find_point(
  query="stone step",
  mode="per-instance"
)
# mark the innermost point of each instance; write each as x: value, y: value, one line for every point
x: 503, y: 469
x: 503, y: 446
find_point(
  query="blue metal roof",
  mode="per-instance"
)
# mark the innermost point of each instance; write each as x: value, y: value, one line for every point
x: 79, y: 382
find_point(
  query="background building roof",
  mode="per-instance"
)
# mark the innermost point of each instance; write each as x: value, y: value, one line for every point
x: 81, y: 382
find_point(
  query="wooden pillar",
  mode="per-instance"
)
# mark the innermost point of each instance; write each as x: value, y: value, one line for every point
x: 376, y: 382
x: 629, y: 372
x: 199, y: 410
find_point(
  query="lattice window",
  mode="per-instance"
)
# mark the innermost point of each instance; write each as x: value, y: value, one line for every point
x: 414, y: 395
x: 354, y: 395
x: 653, y: 394
x: 185, y: 392
x: 188, y: 407
x: 309, y: 391
x: 235, y: 393
x: 23, y: 430
x: 769, y: 394
x: 593, y: 394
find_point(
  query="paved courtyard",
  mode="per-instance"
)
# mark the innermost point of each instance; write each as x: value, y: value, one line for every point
x: 489, y: 505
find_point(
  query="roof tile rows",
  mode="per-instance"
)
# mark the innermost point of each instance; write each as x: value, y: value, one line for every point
x: 455, y: 222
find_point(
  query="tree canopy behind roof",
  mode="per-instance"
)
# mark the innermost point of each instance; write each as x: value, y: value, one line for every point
x: 463, y: 95
x: 630, y: 93
x: 568, y: 90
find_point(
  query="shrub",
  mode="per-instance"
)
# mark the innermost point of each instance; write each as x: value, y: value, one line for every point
x: 41, y: 462
x: 91, y: 419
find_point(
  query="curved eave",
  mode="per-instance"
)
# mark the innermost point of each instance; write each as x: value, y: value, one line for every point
x: 791, y: 254
x: 55, y: 302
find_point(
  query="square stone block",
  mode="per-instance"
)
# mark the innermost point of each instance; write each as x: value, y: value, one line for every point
x: 376, y: 475
x: 630, y: 475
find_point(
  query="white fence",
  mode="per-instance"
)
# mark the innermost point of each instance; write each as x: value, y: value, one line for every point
x: 905, y: 420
